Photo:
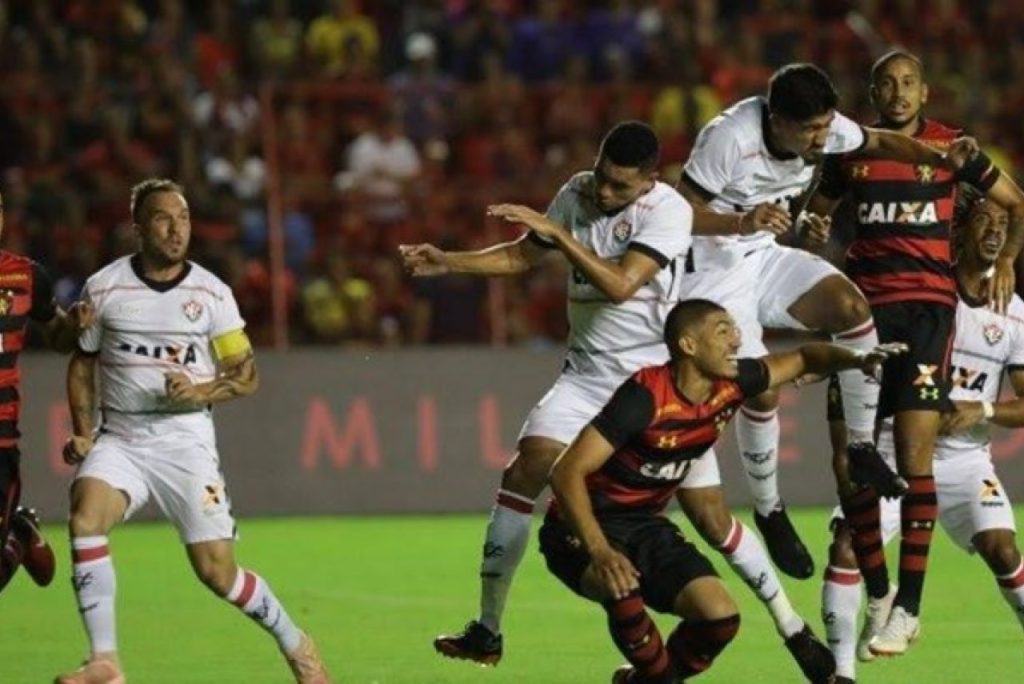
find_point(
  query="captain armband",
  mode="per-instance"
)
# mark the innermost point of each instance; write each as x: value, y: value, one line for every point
x: 233, y: 343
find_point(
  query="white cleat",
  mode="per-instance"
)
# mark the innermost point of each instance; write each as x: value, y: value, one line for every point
x: 874, y: 620
x: 899, y: 632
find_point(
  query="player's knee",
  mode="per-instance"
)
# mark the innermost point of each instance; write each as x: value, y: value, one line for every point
x: 527, y: 474
x: 999, y: 550
x: 85, y: 521
x: 218, y: 576
x: 840, y: 551
x: 851, y: 308
x: 713, y: 525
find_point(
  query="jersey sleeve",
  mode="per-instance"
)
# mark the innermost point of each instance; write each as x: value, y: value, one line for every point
x: 225, y: 315
x: 844, y: 136
x: 833, y: 184
x: 90, y: 338
x: 979, y: 172
x: 558, y: 211
x: 44, y: 305
x: 712, y: 164
x: 665, y: 232
x: 752, y: 377
x: 626, y: 414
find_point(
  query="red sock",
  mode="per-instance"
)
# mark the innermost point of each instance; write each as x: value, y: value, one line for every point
x: 863, y: 514
x: 917, y: 513
x: 638, y: 638
x: 695, y: 644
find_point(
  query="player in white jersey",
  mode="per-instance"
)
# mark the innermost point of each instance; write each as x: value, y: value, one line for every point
x: 169, y: 343
x: 621, y: 230
x: 768, y: 150
x: 972, y: 505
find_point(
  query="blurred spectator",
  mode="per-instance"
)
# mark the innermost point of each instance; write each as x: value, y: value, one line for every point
x: 422, y: 93
x: 338, y: 306
x: 339, y: 39
x: 276, y: 42
x: 225, y: 110
x: 217, y: 48
x: 543, y: 43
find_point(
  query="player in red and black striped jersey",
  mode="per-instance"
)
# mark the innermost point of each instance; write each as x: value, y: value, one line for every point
x: 605, y: 536
x: 901, y: 259
x: 26, y: 294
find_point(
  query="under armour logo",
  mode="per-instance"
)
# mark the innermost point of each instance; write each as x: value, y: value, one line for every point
x: 81, y: 580
x: 759, y: 457
x: 260, y: 613
x: 756, y: 583
x: 921, y: 524
x: 829, y: 618
x: 667, y: 442
x: 492, y: 550
x: 929, y: 393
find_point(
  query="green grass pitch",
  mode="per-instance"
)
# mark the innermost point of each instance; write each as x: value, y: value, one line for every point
x: 375, y: 591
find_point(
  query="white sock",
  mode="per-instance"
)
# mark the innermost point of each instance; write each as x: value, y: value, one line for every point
x: 757, y: 435
x: 95, y: 587
x: 508, y: 533
x: 840, y: 606
x: 253, y: 596
x: 743, y: 551
x: 1012, y: 588
x: 860, y: 392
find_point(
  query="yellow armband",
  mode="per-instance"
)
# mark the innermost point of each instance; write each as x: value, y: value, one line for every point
x: 231, y: 344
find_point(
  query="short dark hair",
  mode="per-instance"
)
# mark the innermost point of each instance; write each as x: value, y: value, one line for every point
x: 684, y: 315
x: 892, y: 56
x: 967, y: 198
x: 801, y: 91
x: 633, y: 144
x: 150, y: 186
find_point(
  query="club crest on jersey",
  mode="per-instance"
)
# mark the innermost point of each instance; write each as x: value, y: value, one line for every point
x: 993, y: 333
x: 925, y: 173
x: 622, y: 230
x: 192, y: 309
x: 6, y: 302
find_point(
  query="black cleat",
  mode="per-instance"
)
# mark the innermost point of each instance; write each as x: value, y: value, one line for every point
x: 37, y: 556
x: 868, y: 468
x: 475, y: 642
x: 784, y: 546
x: 815, y: 660
x: 843, y: 680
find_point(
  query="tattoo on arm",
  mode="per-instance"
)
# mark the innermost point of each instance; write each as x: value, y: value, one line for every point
x: 236, y: 380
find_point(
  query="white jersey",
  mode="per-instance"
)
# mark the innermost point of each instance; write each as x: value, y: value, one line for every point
x: 658, y: 224
x: 731, y: 160
x: 145, y: 329
x: 985, y: 345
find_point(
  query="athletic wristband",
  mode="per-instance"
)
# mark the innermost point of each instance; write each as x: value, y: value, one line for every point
x: 988, y: 410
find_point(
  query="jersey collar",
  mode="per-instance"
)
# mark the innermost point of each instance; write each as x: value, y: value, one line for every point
x: 159, y: 285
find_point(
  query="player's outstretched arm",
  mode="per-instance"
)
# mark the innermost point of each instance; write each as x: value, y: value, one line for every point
x: 61, y: 332
x: 822, y: 359
x: 587, y: 453
x: 506, y: 258
x: 81, y: 389
x: 1008, y: 414
x: 887, y: 144
x: 767, y: 216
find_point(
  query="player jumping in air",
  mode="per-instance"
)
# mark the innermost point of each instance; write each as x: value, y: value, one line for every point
x: 900, y: 258
x: 971, y: 503
x: 606, y: 536
x: 169, y: 343
x: 770, y: 150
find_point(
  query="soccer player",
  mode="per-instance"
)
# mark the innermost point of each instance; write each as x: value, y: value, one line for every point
x: 770, y: 150
x: 621, y: 230
x: 605, y: 536
x: 900, y: 259
x: 169, y: 343
x: 972, y: 505
x: 26, y: 294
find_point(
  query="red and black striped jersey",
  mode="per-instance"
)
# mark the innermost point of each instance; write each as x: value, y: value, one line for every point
x: 657, y: 433
x: 26, y: 292
x: 902, y: 213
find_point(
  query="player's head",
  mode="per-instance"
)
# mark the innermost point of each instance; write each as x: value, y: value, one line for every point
x: 897, y: 89
x: 981, y: 228
x: 705, y: 334
x: 802, y: 103
x: 626, y: 165
x: 161, y: 220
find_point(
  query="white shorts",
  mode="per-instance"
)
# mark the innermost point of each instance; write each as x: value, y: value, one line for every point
x: 970, y: 496
x: 180, y: 470
x: 703, y: 472
x: 758, y: 289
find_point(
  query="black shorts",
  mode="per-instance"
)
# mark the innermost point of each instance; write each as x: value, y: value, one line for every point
x: 10, y: 488
x: 655, y: 546
x: 918, y: 380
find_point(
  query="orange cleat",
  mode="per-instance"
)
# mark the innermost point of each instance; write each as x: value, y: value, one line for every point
x: 96, y: 670
x: 306, y: 663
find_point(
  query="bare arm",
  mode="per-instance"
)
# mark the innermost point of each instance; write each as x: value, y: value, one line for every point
x: 1008, y: 414
x: 81, y: 389
x: 770, y: 217
x: 236, y: 378
x: 61, y: 332
x: 1007, y: 194
x: 886, y: 144
x: 820, y: 358
x: 506, y: 258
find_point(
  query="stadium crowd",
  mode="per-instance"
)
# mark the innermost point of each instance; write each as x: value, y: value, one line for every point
x: 400, y: 120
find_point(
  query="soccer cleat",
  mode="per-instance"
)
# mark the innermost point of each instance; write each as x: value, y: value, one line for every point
x: 475, y: 642
x: 814, y: 658
x: 96, y: 670
x: 843, y: 680
x: 868, y: 468
x: 37, y: 556
x: 10, y: 559
x: 784, y: 546
x: 624, y: 674
x: 306, y: 663
x: 874, y: 621
x: 627, y: 674
x: 901, y: 630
